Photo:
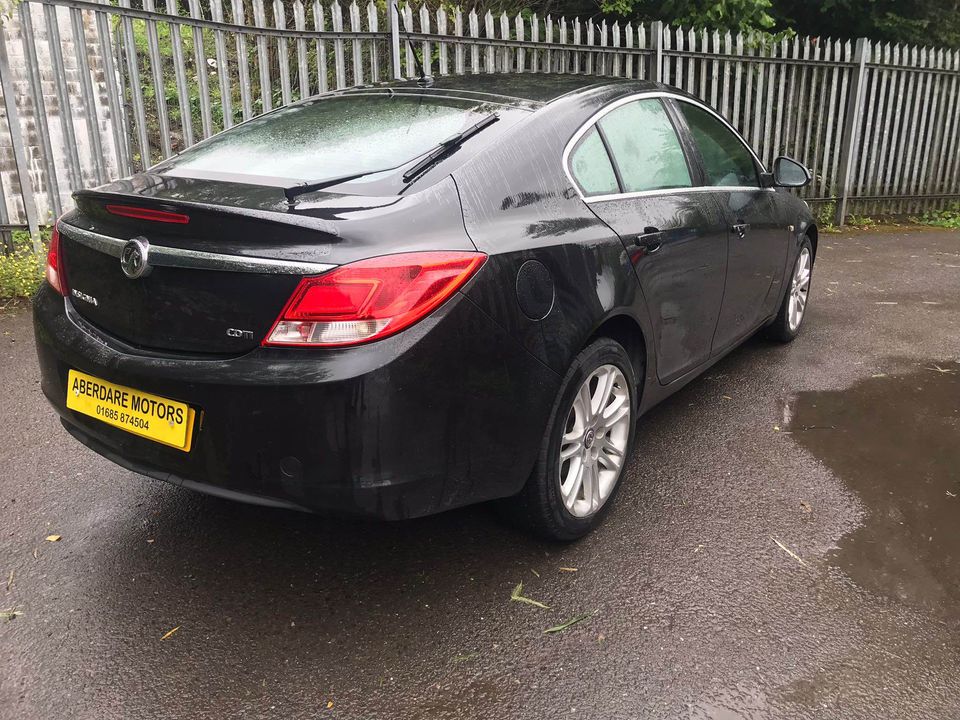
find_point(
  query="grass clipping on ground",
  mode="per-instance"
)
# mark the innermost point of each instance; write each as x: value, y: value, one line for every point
x: 518, y: 596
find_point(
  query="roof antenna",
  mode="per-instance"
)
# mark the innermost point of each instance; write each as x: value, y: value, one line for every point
x: 424, y: 80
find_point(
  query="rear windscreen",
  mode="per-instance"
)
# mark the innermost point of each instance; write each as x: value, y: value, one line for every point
x: 331, y: 137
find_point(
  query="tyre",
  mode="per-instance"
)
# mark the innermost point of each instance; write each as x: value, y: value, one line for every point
x: 786, y: 326
x: 585, y: 447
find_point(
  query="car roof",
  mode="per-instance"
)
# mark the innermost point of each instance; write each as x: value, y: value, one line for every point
x: 523, y: 89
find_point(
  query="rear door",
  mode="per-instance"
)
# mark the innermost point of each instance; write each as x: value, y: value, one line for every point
x: 636, y: 177
x: 757, y: 243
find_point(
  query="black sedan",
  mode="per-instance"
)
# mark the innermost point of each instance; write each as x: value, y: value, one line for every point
x: 400, y: 299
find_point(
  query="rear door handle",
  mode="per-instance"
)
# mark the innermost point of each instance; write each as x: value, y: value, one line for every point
x: 740, y: 229
x: 650, y: 240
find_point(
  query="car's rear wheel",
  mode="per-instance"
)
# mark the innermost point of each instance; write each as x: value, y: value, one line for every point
x: 585, y: 446
x: 787, y: 324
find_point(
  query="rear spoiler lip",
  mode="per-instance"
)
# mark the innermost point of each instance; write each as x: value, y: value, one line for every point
x: 279, y: 216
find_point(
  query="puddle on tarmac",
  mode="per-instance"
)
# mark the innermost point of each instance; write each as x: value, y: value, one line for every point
x: 896, y: 442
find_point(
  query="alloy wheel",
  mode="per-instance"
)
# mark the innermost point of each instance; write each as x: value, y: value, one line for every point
x: 594, y: 443
x: 799, y: 289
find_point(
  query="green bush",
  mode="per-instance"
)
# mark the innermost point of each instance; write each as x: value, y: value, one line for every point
x: 823, y: 214
x: 861, y: 221
x: 949, y: 219
x: 21, y: 271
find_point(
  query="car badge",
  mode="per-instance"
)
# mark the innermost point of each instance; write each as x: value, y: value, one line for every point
x: 80, y: 295
x: 133, y: 258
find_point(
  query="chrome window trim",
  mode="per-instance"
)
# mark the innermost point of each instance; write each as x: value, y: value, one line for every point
x: 674, y: 191
x: 161, y: 256
x: 655, y: 94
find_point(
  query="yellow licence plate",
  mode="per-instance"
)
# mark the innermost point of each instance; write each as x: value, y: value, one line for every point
x: 159, y: 419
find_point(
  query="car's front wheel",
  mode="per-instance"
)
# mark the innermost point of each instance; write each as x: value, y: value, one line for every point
x: 787, y: 324
x: 586, y: 444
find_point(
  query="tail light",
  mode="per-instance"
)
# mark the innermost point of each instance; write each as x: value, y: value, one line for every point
x: 371, y: 299
x: 54, y: 262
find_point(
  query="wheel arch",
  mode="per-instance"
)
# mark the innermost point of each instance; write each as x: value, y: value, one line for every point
x: 814, y: 236
x: 625, y: 329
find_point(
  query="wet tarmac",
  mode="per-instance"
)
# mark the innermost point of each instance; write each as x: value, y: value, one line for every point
x: 895, y: 440
x: 785, y: 546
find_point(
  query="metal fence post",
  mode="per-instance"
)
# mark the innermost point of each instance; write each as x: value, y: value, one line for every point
x: 851, y: 128
x: 16, y: 140
x: 655, y: 58
x: 394, y: 25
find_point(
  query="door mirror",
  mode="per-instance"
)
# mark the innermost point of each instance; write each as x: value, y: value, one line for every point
x: 789, y: 173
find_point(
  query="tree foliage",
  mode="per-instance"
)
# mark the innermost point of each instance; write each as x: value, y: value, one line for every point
x: 916, y: 22
x: 734, y: 15
x: 921, y: 22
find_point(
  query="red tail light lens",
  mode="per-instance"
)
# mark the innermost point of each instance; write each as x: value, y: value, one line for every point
x: 371, y: 299
x: 54, y: 272
x: 147, y: 214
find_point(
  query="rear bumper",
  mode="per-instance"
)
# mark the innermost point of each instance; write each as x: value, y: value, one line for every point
x: 447, y: 413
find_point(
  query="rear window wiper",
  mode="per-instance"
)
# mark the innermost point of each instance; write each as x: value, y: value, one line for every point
x: 448, y: 146
x: 292, y: 193
x: 440, y: 151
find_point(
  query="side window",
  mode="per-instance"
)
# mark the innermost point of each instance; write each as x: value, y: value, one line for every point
x: 591, y: 167
x: 645, y: 147
x: 725, y: 158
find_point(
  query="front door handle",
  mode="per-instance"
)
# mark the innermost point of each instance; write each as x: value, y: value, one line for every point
x: 649, y: 240
x: 740, y: 229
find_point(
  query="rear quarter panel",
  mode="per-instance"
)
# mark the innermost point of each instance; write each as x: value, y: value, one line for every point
x: 518, y: 204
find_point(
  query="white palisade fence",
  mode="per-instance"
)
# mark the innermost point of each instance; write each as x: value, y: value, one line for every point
x: 95, y: 90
